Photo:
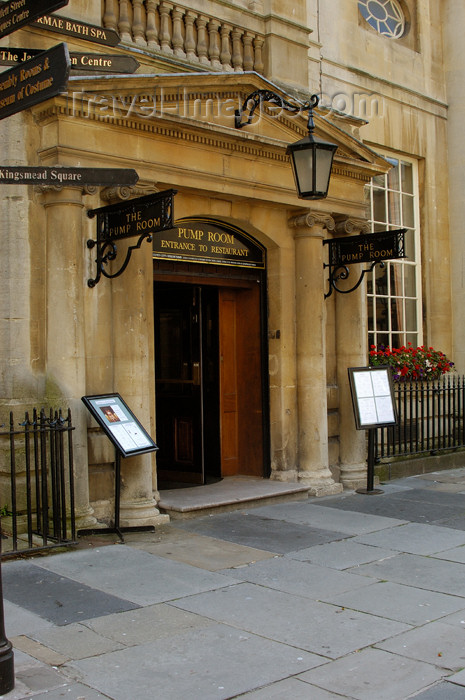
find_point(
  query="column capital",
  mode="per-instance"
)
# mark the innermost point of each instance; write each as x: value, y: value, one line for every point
x: 122, y: 192
x: 58, y: 195
x: 311, y: 220
x: 351, y: 225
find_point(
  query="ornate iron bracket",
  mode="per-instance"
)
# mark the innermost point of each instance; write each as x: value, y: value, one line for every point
x: 259, y: 96
x: 103, y: 258
x: 344, y: 273
x: 140, y: 217
x: 372, y: 248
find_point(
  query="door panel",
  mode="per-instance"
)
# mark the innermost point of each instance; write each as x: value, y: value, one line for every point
x: 240, y: 382
x: 228, y: 383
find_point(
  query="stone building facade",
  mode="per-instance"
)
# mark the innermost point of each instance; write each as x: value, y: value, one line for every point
x: 234, y: 369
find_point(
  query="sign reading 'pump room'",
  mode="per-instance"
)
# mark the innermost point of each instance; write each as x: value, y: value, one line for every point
x: 208, y: 242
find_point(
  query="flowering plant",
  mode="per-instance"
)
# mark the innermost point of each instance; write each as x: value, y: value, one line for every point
x: 411, y: 363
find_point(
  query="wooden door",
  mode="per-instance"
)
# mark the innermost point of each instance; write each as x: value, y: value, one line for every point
x: 241, y: 410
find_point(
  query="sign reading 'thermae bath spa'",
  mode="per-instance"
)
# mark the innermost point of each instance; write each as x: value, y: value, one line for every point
x: 203, y: 241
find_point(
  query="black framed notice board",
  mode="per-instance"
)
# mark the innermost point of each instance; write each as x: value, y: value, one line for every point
x: 372, y: 391
x: 120, y: 424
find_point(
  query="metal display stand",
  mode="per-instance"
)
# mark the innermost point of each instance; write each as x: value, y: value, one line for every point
x: 372, y: 392
x: 129, y: 438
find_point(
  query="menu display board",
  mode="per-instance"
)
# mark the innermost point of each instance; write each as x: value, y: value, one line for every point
x: 120, y: 424
x: 372, y: 396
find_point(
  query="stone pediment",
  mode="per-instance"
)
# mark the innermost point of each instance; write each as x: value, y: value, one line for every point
x: 202, y: 106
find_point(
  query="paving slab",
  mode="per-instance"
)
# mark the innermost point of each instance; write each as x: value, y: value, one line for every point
x: 340, y: 555
x: 137, y: 576
x: 437, y: 643
x: 456, y: 554
x: 441, y: 691
x: 198, y: 550
x: 18, y: 620
x: 315, y: 627
x: 373, y: 673
x: 77, y: 641
x: 413, y: 505
x: 420, y: 572
x: 455, y: 522
x: 150, y: 624
x: 55, y: 597
x: 260, y: 533
x: 414, y: 606
x: 299, y: 578
x: 292, y: 689
x: 324, y: 518
x: 415, y: 538
x: 71, y: 691
x: 214, y: 663
x: 458, y: 679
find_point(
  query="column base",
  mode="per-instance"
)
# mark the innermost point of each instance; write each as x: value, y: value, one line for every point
x: 85, y: 519
x: 291, y: 476
x: 141, y: 513
x: 319, y: 486
x: 354, y: 476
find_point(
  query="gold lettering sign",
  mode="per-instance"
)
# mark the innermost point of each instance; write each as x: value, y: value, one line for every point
x: 207, y: 241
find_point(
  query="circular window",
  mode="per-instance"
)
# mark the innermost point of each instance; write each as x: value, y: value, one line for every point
x: 386, y: 16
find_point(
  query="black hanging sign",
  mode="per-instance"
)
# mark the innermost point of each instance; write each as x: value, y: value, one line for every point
x: 95, y: 62
x: 79, y: 30
x: 18, y: 13
x: 34, y: 81
x: 367, y: 248
x: 142, y: 217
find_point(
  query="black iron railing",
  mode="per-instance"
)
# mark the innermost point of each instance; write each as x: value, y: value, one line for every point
x: 431, y: 419
x: 37, y: 483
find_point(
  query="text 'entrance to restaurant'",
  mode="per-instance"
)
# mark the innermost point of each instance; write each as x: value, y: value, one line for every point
x: 210, y: 368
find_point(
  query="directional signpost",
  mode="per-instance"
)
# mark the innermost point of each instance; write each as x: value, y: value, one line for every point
x: 96, y: 62
x: 62, y: 175
x: 34, y: 81
x: 17, y: 13
x: 79, y: 30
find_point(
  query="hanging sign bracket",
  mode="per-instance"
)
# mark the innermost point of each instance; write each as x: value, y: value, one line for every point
x: 142, y: 217
x: 372, y: 248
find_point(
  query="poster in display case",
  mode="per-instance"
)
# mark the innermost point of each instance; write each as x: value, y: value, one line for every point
x: 372, y: 391
x: 120, y: 424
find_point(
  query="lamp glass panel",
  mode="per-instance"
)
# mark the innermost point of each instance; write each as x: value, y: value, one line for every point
x: 303, y: 164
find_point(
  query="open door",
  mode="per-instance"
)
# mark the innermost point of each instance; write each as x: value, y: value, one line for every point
x: 209, y: 384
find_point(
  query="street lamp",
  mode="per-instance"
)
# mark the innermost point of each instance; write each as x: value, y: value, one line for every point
x: 311, y: 158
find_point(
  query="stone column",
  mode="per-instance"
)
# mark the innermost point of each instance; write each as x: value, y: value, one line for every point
x: 65, y: 346
x: 311, y: 354
x: 134, y: 375
x: 351, y: 351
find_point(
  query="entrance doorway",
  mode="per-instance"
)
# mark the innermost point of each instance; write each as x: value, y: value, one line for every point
x: 211, y: 407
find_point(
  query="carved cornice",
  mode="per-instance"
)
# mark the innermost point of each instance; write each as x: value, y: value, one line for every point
x: 123, y: 192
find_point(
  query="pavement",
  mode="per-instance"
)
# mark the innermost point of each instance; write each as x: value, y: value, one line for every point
x: 349, y: 596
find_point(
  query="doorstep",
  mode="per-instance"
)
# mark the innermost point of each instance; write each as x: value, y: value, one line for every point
x: 231, y: 493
